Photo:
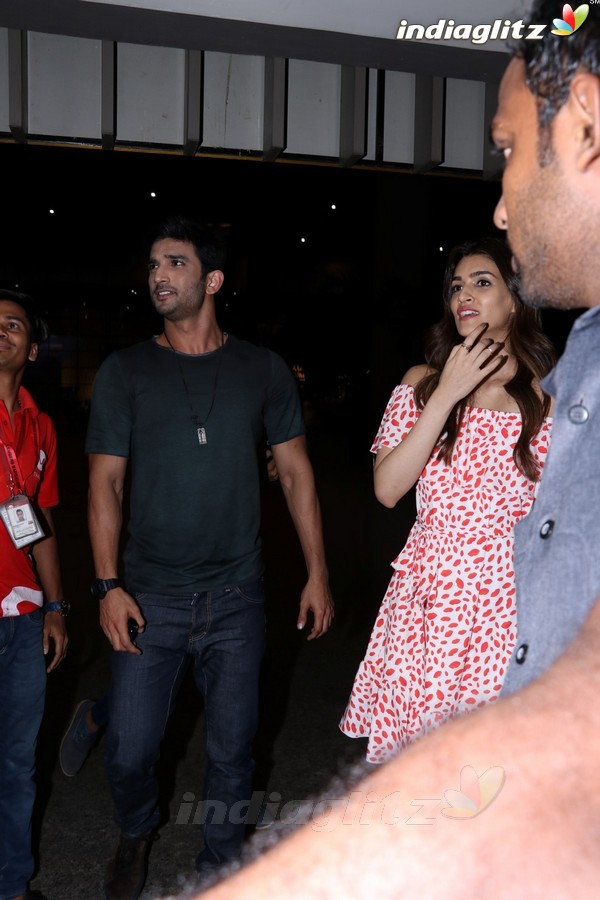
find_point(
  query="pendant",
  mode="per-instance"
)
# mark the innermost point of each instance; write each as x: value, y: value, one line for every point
x: 202, y: 435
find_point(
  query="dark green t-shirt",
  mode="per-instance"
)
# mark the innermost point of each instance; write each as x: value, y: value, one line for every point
x: 195, y: 509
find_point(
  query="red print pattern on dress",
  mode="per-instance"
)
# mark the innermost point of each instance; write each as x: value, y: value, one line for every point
x: 446, y: 628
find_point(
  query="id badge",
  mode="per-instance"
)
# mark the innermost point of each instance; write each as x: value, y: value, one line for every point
x: 21, y: 521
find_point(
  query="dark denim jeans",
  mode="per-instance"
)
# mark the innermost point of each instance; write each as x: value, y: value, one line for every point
x: 22, y: 693
x: 223, y: 633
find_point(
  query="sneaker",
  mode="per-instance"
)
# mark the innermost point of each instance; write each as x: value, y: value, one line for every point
x: 127, y: 868
x: 77, y: 741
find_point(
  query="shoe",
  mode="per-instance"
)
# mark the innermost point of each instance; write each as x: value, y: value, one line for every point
x: 127, y: 868
x: 77, y: 741
x: 265, y: 819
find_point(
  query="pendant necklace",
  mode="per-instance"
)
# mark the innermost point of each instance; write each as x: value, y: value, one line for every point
x: 199, y: 425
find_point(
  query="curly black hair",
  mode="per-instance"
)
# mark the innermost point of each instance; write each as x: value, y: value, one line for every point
x: 551, y: 63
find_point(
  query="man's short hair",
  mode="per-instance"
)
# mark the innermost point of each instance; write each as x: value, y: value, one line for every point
x: 38, y: 330
x: 207, y: 240
x: 551, y: 63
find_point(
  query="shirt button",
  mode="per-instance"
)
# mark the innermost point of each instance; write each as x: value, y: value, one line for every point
x: 578, y: 414
x: 521, y: 654
x: 547, y: 529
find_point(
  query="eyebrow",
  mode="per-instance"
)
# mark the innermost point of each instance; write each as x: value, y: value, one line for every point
x: 10, y: 317
x: 171, y: 256
x: 474, y: 275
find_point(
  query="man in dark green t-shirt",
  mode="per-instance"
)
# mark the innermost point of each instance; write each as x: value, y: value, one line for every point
x: 189, y: 409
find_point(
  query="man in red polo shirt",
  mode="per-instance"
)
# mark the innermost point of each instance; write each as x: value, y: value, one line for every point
x: 33, y: 637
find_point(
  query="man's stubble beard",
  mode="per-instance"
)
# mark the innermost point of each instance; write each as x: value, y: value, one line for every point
x: 542, y: 282
x: 540, y: 242
x: 184, y: 308
x: 184, y: 311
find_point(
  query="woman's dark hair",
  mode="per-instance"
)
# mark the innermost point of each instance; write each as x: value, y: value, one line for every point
x: 529, y: 345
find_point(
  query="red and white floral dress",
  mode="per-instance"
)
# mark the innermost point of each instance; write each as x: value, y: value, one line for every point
x: 447, y: 626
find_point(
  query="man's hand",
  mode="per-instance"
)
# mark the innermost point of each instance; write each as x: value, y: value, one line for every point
x: 55, y: 630
x: 115, y: 611
x: 316, y: 597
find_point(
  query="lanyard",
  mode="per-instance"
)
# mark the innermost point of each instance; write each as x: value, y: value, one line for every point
x: 13, y: 470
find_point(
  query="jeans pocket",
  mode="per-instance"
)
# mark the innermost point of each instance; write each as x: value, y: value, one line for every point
x: 253, y: 591
x: 35, y: 618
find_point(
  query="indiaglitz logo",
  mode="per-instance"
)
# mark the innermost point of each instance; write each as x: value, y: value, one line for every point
x: 475, y: 794
x: 359, y: 807
x: 498, y: 30
x: 570, y: 21
x: 448, y: 30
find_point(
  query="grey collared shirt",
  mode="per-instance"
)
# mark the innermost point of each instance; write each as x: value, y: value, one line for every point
x: 557, y: 558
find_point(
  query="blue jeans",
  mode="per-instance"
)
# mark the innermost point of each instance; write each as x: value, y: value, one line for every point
x: 22, y: 694
x: 223, y: 633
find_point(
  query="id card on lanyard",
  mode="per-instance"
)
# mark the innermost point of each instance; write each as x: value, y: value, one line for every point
x: 17, y: 512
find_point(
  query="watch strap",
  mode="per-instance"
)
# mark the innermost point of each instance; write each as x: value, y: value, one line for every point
x: 60, y: 606
x: 101, y: 586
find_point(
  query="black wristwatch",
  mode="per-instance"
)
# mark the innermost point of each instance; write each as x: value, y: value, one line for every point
x: 60, y: 606
x: 101, y: 586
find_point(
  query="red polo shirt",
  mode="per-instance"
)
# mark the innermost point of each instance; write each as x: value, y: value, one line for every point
x: 20, y: 591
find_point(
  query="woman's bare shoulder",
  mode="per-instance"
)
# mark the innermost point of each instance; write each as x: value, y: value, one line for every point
x: 416, y: 374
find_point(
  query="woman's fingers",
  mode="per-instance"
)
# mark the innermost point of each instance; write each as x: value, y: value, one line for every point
x: 471, y: 363
x: 470, y: 342
x: 489, y: 353
x: 482, y: 350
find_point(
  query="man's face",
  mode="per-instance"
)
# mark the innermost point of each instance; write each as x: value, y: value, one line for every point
x: 175, y: 279
x: 16, y: 347
x: 535, y: 208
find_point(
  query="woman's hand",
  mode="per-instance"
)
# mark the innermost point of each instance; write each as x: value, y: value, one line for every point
x: 469, y: 365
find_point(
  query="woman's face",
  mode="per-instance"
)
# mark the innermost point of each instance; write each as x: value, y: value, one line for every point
x: 479, y: 294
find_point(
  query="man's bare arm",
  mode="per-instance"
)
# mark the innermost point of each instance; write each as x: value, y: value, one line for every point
x: 298, y: 483
x: 45, y: 554
x: 539, y: 836
x: 105, y: 519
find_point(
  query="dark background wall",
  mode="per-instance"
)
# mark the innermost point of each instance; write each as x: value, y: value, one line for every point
x: 345, y: 293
